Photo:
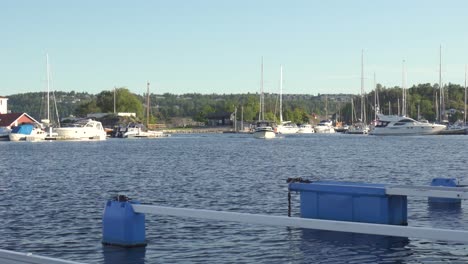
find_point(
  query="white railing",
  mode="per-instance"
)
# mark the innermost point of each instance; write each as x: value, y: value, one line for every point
x: 340, y: 226
x: 428, y: 191
x: 12, y: 257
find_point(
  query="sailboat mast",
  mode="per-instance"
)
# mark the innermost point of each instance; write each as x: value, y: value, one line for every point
x: 281, y: 94
x: 48, y: 87
x: 115, y: 90
x: 362, y: 86
x: 403, y: 86
x: 440, y: 86
x: 147, y: 104
x: 465, y: 99
x: 376, y: 108
x: 262, y: 103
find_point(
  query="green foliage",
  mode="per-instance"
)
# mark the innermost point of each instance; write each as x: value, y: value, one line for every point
x: 88, y: 107
x: 125, y: 101
x: 296, y: 108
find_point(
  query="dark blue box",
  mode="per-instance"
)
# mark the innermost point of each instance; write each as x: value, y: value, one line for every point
x: 351, y: 201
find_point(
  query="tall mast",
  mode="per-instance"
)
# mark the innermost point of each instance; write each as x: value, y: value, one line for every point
x: 147, y: 104
x: 326, y: 107
x: 261, y: 115
x: 362, y: 86
x: 398, y: 106
x: 403, y: 86
x: 376, y: 108
x: 465, y: 99
x: 441, y: 96
x: 48, y: 88
x: 114, y: 98
x: 281, y: 94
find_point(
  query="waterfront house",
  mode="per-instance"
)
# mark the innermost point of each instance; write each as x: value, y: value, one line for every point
x: 220, y: 119
x: 10, y: 120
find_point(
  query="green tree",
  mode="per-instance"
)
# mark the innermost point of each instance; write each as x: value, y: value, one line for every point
x: 86, y: 108
x: 125, y: 101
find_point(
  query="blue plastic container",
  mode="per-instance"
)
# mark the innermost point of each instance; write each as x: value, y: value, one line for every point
x: 446, y: 182
x: 121, y: 226
x: 351, y: 201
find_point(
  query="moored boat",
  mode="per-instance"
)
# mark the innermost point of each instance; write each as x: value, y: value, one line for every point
x: 324, y: 127
x: 27, y: 132
x: 133, y: 130
x: 305, y: 129
x: 4, y: 133
x: 85, y: 129
x: 264, y: 130
x: 402, y: 125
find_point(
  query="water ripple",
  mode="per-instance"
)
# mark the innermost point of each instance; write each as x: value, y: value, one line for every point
x: 52, y: 201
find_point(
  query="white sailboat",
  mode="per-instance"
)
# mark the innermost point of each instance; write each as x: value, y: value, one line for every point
x: 46, y: 122
x: 460, y: 127
x: 325, y: 126
x: 360, y: 127
x: 138, y: 130
x: 263, y: 128
x: 285, y: 127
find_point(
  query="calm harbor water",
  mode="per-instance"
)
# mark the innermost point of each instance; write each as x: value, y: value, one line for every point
x: 52, y: 195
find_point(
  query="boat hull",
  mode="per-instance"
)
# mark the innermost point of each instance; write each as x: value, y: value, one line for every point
x: 264, y: 134
x: 324, y: 130
x: 70, y: 133
x: 408, y: 131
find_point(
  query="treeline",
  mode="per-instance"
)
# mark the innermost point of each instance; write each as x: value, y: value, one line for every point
x: 297, y: 108
x: 422, y: 98
x: 167, y: 106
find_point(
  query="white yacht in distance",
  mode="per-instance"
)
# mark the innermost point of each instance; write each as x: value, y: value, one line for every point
x: 325, y: 126
x: 287, y: 127
x: 402, y: 125
x: 264, y: 130
x: 284, y: 127
x: 305, y: 129
x: 85, y: 129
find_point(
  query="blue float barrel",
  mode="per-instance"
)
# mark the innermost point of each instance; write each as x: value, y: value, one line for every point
x: 446, y: 182
x: 121, y: 226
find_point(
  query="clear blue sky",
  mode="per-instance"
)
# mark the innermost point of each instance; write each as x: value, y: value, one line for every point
x: 215, y: 46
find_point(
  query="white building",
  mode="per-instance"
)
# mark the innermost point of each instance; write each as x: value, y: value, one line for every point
x: 3, y: 105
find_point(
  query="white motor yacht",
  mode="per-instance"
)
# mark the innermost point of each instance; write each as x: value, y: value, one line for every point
x: 287, y: 127
x: 85, y: 129
x: 264, y: 130
x: 137, y: 130
x: 402, y: 125
x: 28, y: 132
x: 325, y: 126
x: 305, y: 129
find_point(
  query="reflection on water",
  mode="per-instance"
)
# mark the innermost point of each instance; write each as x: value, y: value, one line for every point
x: 118, y: 255
x: 334, y: 247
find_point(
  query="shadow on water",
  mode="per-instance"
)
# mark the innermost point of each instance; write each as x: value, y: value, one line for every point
x: 333, y: 247
x: 118, y: 255
x: 442, y: 209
